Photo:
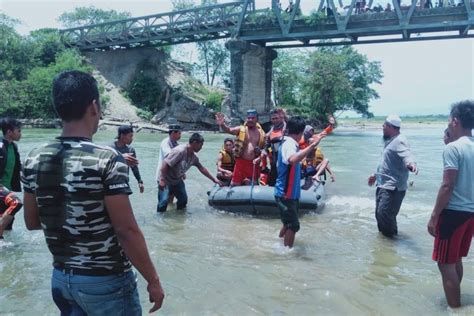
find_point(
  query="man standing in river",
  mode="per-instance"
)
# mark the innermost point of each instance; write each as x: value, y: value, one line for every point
x: 77, y: 192
x: 288, y: 183
x: 123, y: 146
x: 10, y: 164
x: 452, y: 219
x: 392, y: 176
x: 173, y: 171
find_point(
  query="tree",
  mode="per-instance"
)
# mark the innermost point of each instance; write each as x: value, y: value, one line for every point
x: 48, y: 44
x: 214, y: 60
x: 182, y: 4
x: 340, y: 79
x: 82, y: 16
x: 328, y: 80
x: 287, y: 73
x: 16, y: 53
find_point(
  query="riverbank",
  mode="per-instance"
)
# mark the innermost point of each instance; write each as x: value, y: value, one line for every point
x: 421, y: 122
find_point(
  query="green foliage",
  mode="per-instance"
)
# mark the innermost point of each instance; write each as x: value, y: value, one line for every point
x: 182, y: 4
x: 214, y: 100
x: 90, y: 15
x: 261, y: 17
x: 214, y: 61
x: 37, y: 87
x: 316, y: 17
x: 16, y: 53
x: 144, y: 114
x: 330, y: 79
x: 144, y: 92
x: 47, y: 45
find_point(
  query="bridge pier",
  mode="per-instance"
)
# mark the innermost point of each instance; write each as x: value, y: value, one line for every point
x: 250, y: 78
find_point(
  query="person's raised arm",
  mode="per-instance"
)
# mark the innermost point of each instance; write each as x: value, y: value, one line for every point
x: 133, y: 243
x: 300, y: 155
x: 31, y: 212
x: 220, y: 119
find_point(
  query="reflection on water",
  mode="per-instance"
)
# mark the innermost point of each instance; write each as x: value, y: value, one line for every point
x: 212, y: 262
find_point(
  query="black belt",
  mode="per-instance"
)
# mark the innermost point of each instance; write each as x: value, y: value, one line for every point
x: 87, y: 272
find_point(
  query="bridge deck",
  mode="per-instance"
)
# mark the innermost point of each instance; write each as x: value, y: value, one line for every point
x: 272, y: 26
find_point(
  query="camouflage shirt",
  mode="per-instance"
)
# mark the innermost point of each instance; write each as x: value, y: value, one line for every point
x: 70, y: 177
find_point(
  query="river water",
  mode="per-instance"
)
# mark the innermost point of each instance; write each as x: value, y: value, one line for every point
x: 215, y: 263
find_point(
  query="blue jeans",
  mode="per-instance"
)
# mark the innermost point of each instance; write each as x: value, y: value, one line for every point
x: 178, y: 190
x: 95, y: 295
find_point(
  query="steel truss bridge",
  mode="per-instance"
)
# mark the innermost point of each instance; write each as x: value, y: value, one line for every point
x: 277, y: 28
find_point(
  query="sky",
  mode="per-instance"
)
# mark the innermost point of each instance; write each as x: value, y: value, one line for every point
x: 420, y: 78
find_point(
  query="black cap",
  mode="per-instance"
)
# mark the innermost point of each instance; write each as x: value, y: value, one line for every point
x: 125, y: 129
x: 174, y: 128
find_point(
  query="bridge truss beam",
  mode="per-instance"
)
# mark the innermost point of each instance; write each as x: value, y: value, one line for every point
x: 276, y: 28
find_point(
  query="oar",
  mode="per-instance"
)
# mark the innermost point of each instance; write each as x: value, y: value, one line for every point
x: 251, y: 188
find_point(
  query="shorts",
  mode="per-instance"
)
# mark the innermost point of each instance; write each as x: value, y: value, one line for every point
x: 244, y: 169
x: 453, y: 236
x: 289, y: 213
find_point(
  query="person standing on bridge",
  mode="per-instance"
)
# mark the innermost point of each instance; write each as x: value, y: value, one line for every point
x: 452, y: 219
x: 392, y: 176
x: 247, y: 148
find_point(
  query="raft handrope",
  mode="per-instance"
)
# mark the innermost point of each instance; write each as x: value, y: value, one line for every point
x: 251, y: 188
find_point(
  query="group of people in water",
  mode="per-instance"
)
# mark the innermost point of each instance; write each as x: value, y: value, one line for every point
x: 77, y: 192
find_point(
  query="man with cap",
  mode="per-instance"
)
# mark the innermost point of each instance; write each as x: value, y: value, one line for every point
x: 392, y: 176
x: 170, y: 142
x: 122, y: 145
x: 250, y: 140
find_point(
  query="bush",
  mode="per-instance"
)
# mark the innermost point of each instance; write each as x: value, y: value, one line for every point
x: 214, y: 100
x: 144, y: 114
x: 144, y: 92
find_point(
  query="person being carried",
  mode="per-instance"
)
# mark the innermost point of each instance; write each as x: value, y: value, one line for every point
x: 287, y: 187
x: 77, y: 192
x: 123, y: 146
x: 10, y: 204
x: 226, y: 162
x: 392, y: 176
x: 452, y: 220
x: 247, y: 148
x: 10, y: 164
x: 173, y: 170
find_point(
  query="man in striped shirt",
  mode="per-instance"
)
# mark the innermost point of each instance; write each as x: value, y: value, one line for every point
x: 288, y: 183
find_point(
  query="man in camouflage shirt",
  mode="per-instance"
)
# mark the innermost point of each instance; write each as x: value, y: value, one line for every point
x: 77, y: 192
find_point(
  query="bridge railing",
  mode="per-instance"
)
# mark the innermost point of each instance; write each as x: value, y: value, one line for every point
x: 344, y: 20
x: 207, y: 22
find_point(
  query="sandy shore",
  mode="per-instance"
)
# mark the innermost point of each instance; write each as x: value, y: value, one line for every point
x: 354, y: 124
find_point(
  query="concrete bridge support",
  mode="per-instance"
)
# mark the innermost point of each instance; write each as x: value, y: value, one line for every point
x: 251, y: 78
